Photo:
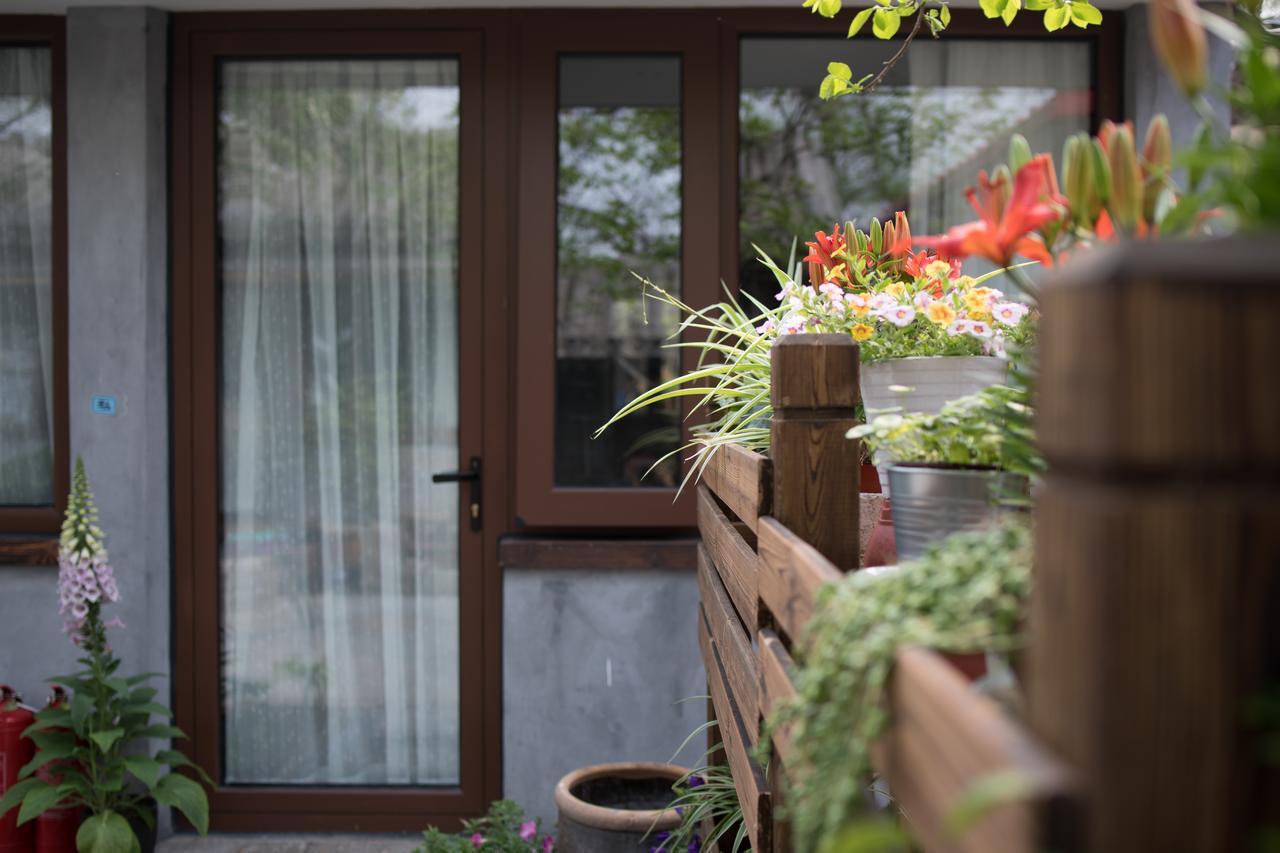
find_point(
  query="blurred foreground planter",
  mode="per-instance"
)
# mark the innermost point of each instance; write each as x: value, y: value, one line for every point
x: 610, y: 808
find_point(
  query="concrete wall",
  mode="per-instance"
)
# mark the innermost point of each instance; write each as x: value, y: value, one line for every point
x: 595, y: 663
x: 117, y: 267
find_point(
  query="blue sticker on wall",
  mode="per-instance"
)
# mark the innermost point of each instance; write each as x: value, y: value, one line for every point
x: 104, y: 405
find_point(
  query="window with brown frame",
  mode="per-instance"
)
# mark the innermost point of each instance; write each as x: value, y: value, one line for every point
x: 758, y: 159
x: 33, y: 421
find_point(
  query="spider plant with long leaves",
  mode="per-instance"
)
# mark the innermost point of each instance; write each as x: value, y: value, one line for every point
x: 706, y: 800
x: 731, y: 379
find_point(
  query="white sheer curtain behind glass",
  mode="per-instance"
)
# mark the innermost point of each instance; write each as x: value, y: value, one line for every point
x: 26, y: 283
x: 338, y: 196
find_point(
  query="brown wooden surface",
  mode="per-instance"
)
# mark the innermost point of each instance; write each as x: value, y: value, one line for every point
x: 791, y: 573
x: 816, y: 470
x: 733, y: 556
x: 522, y: 552
x: 742, y: 674
x: 50, y: 31
x: 748, y: 778
x: 28, y: 550
x: 944, y: 739
x: 1156, y: 590
x: 743, y: 480
x: 776, y: 686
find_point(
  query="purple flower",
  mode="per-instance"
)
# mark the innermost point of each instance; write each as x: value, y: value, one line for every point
x: 661, y: 838
x: 695, y: 845
x: 695, y: 781
x: 477, y: 841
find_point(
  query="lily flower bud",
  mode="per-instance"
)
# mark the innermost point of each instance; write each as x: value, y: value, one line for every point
x: 1126, y: 181
x: 1179, y: 40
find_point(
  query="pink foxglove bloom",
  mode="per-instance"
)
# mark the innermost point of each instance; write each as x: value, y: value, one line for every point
x: 528, y: 830
x: 85, y: 578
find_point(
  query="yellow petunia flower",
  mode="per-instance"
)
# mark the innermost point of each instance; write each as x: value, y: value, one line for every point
x: 966, y: 282
x: 897, y: 290
x: 938, y: 269
x: 975, y: 302
x: 861, y: 332
x: 940, y: 313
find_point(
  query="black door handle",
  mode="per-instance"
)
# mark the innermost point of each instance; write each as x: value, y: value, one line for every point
x: 472, y: 476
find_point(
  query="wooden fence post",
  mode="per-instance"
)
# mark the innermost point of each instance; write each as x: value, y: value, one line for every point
x: 815, y: 468
x: 1157, y: 574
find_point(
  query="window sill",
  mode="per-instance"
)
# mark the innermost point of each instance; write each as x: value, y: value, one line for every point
x: 20, y: 550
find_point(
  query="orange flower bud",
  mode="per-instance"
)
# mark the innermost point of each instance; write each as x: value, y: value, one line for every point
x: 1178, y: 38
x: 1157, y: 148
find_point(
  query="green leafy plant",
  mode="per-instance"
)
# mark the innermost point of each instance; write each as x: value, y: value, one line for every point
x: 706, y: 799
x: 966, y: 595
x: 89, y: 750
x: 730, y: 379
x: 968, y: 432
x: 503, y: 830
x: 886, y: 18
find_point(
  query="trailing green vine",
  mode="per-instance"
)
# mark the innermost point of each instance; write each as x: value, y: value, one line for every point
x: 966, y: 595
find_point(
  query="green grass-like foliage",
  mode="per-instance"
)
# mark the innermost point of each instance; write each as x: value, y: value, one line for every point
x: 497, y: 832
x: 731, y: 380
x: 713, y: 802
x: 968, y: 594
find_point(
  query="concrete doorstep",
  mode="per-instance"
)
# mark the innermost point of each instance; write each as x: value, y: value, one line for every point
x: 289, y: 843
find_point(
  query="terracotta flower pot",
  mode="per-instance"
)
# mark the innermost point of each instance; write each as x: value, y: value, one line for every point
x: 610, y: 808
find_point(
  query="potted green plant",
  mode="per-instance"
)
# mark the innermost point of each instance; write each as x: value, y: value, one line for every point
x: 950, y: 471
x: 89, y: 752
x: 503, y: 830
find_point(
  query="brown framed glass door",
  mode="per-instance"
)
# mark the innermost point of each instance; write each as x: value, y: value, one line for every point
x: 331, y: 673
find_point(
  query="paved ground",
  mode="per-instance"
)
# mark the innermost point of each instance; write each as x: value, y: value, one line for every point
x: 227, y: 843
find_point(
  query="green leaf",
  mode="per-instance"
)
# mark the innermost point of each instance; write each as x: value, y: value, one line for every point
x: 53, y: 741
x: 986, y: 793
x: 45, y: 756
x: 187, y: 797
x: 146, y: 768
x: 1011, y: 8
x: 148, y: 709
x: 176, y: 759
x: 828, y: 8
x: 992, y: 8
x: 81, y: 708
x: 160, y: 731
x: 839, y: 70
x: 859, y: 20
x: 1083, y: 14
x: 885, y: 23
x: 944, y: 14
x: 38, y: 801
x: 1056, y: 18
x: 107, y: 832
x: 118, y: 684
x: 16, y: 792
x: 107, y: 738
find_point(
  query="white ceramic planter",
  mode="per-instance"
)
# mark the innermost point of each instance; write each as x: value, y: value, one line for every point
x: 925, y: 384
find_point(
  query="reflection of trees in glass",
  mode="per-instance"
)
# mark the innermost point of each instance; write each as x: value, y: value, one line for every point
x: 618, y: 212
x: 805, y: 163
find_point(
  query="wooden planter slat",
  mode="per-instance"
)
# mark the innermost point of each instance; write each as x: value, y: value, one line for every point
x: 734, y: 558
x: 748, y: 778
x: 791, y: 572
x: 742, y: 479
x: 776, y: 673
x: 733, y: 644
x: 943, y: 739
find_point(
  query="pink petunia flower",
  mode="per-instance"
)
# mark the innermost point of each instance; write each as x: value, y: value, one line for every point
x: 979, y: 329
x: 528, y: 830
x: 477, y: 841
x: 959, y: 327
x: 548, y: 844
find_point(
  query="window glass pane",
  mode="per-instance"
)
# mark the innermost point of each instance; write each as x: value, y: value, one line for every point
x: 914, y: 144
x: 338, y: 236
x: 618, y: 211
x: 26, y: 277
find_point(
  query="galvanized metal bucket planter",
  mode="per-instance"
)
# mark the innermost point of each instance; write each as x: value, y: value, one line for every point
x: 930, y: 503
x: 611, y: 808
x: 925, y: 384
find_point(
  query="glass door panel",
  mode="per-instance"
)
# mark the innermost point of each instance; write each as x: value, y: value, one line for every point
x: 337, y: 217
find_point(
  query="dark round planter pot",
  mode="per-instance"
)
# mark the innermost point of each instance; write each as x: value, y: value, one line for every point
x: 611, y: 808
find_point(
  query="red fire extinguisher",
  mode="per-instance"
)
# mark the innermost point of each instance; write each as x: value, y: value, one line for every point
x: 15, y: 751
x: 56, y: 829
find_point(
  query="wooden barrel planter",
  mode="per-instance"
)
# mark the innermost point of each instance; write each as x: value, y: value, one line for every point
x: 611, y: 808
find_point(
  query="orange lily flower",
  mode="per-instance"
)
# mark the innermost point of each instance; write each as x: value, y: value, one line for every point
x: 822, y: 254
x: 1004, y: 228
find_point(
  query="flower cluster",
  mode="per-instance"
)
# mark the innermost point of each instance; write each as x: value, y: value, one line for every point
x: 528, y: 833
x: 85, y: 578
x: 896, y: 303
x: 502, y: 830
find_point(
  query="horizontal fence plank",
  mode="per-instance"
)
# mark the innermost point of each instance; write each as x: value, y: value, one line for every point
x: 776, y: 686
x: 742, y: 479
x: 733, y: 643
x: 944, y: 739
x: 732, y: 555
x: 748, y: 778
x: 791, y: 572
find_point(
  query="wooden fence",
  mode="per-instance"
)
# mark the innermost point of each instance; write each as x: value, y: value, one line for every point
x: 1151, y: 593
